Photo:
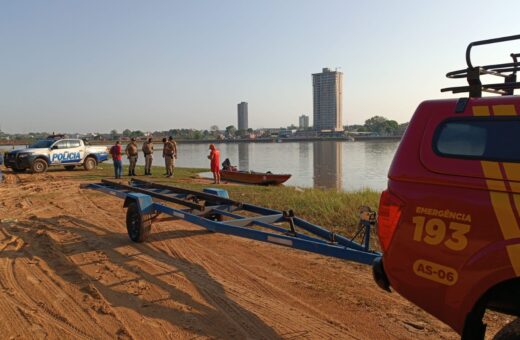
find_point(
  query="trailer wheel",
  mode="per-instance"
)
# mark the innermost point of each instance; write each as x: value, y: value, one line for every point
x: 39, y: 166
x: 138, y: 224
x: 509, y: 331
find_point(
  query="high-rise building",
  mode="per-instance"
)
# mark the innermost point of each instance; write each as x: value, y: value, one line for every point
x: 242, y: 116
x: 303, y: 121
x: 328, y: 100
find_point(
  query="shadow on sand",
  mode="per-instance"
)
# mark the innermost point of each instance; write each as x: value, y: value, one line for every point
x: 214, y: 316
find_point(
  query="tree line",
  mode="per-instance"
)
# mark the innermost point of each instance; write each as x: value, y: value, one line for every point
x: 381, y: 126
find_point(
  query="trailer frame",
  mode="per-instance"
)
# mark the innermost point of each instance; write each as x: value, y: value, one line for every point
x: 213, y: 210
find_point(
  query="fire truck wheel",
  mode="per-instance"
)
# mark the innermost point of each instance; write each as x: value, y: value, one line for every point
x: 509, y: 331
x: 138, y: 224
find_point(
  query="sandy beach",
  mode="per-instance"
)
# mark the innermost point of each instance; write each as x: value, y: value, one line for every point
x: 68, y: 270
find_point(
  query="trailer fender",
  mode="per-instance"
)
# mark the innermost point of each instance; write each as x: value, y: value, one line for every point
x: 144, y: 202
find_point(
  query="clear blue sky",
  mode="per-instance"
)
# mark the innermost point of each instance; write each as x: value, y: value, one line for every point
x: 98, y: 65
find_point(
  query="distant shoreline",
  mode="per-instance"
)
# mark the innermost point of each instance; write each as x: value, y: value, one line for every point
x: 257, y: 140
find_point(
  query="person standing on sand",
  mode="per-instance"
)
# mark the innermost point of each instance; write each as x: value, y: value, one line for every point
x: 148, y: 157
x: 214, y: 162
x: 117, y: 156
x: 170, y: 154
x: 131, y: 153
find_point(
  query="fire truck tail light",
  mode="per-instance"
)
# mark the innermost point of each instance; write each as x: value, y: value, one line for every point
x: 389, y: 214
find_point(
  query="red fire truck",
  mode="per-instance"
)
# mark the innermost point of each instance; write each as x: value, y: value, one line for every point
x: 449, y: 222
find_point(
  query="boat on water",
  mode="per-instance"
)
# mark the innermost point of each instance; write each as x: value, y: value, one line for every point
x: 252, y: 177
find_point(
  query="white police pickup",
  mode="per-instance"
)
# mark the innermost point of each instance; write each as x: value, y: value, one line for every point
x: 51, y: 152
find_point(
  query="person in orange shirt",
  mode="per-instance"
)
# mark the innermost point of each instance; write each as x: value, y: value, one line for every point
x: 214, y: 162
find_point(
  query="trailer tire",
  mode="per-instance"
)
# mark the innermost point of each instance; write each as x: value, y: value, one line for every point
x: 509, y: 331
x: 39, y: 166
x: 138, y: 224
x: 90, y: 163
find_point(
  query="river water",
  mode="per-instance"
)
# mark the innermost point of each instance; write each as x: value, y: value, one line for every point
x: 344, y: 166
x: 330, y: 164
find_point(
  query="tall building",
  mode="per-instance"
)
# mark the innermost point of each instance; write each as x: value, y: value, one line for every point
x: 303, y: 122
x: 242, y: 116
x: 328, y: 100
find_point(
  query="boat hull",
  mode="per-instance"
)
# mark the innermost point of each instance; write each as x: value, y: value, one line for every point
x: 259, y: 178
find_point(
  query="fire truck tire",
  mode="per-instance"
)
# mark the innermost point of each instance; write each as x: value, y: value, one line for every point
x: 39, y: 166
x: 138, y: 224
x: 509, y: 331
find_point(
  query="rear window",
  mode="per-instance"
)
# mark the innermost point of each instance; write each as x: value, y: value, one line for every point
x: 485, y: 139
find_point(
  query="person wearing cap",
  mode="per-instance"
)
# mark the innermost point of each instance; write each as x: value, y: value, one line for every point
x: 214, y: 162
x: 131, y: 153
x: 116, y: 151
x: 148, y: 157
x: 170, y: 154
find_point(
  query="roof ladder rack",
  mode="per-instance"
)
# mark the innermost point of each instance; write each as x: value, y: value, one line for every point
x: 473, y: 73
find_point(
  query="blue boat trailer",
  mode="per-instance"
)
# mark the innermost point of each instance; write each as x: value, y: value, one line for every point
x: 212, y: 209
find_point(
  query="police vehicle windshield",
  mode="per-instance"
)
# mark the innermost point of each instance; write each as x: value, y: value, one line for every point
x: 46, y: 143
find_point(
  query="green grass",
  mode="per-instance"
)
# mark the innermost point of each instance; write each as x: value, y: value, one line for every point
x: 106, y: 170
x: 332, y: 209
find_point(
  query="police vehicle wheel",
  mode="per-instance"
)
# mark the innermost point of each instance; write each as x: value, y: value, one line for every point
x: 138, y: 224
x: 39, y: 166
x: 69, y: 167
x: 90, y: 163
x: 509, y: 331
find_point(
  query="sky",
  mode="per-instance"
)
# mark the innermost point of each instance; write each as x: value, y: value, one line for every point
x: 98, y: 65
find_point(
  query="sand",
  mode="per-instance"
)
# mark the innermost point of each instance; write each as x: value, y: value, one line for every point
x: 68, y: 270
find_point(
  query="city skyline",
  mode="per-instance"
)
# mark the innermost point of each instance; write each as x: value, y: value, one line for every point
x: 96, y: 65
